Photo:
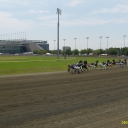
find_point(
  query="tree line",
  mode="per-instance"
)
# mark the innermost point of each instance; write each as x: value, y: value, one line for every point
x: 110, y: 51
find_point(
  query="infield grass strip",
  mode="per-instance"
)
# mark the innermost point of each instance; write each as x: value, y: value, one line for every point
x: 36, y: 64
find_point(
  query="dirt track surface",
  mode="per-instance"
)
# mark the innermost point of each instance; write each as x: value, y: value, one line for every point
x: 94, y: 99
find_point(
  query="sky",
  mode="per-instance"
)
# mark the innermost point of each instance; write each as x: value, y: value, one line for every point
x: 37, y: 20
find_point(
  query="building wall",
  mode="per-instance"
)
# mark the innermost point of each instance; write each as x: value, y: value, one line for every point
x: 13, y: 47
x: 65, y: 48
x: 44, y: 46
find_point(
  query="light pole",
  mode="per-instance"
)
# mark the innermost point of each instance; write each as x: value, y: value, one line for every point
x: 107, y: 42
x: 64, y: 44
x: 100, y: 40
x: 59, y: 13
x: 124, y: 40
x: 87, y: 42
x: 75, y: 42
x: 54, y: 44
x: 25, y: 35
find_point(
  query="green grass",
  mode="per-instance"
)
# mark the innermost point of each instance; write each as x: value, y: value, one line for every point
x: 35, y: 64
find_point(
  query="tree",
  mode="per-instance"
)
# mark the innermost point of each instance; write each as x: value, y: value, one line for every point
x: 83, y: 51
x: 54, y: 52
x: 35, y: 52
x: 68, y: 52
x: 96, y: 52
x: 126, y: 51
x: 43, y: 51
x: 76, y: 52
x: 113, y: 51
x: 40, y: 52
x: 89, y: 50
x: 101, y: 51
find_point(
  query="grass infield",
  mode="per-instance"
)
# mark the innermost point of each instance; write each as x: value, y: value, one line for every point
x: 37, y: 64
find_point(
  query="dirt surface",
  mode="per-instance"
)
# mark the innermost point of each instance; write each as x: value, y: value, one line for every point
x: 94, y: 99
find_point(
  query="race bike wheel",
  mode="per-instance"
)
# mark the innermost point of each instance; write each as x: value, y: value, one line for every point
x: 73, y: 71
x: 79, y: 71
x: 68, y: 69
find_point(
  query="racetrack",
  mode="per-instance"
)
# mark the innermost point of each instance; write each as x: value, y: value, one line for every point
x: 93, y: 99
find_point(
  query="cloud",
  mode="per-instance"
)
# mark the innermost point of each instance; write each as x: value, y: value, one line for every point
x: 80, y: 22
x: 34, y: 11
x: 75, y: 2
x: 24, y: 3
x: 52, y: 17
x: 49, y: 20
x: 8, y: 22
x: 119, y: 8
x: 52, y: 21
x: 13, y: 2
x: 69, y: 20
x: 4, y: 1
x: 93, y: 21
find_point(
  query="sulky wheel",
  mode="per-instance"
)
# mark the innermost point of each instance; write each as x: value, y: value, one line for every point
x: 73, y: 71
x: 79, y: 71
x: 68, y: 69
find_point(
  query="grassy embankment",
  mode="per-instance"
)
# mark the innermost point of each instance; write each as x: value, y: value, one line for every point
x: 35, y: 64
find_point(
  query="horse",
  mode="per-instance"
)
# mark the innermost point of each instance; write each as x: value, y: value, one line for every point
x: 103, y: 65
x: 70, y: 67
x: 93, y: 65
x: 84, y: 66
x: 121, y: 63
x: 75, y: 67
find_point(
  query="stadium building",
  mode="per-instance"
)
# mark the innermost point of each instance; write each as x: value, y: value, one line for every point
x: 64, y: 48
x: 21, y: 46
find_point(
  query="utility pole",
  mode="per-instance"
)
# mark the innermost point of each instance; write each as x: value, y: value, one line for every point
x: 75, y: 42
x: 59, y: 13
x: 87, y: 42
x: 54, y: 44
x: 100, y: 40
x: 107, y: 43
x: 64, y: 44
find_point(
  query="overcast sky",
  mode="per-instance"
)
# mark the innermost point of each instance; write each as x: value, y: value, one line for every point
x: 37, y: 20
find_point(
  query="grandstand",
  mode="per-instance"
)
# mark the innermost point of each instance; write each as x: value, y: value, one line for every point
x: 21, y: 46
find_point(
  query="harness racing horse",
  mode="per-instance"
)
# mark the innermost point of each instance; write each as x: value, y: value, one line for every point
x: 121, y: 64
x: 93, y: 65
x: 80, y: 67
x: 103, y: 65
x: 110, y: 64
x: 75, y: 67
x: 70, y: 67
x: 84, y: 66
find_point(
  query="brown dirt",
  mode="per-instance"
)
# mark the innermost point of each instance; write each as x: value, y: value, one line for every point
x: 94, y: 99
